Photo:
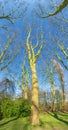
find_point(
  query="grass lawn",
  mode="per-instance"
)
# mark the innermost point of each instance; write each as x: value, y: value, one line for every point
x: 48, y: 121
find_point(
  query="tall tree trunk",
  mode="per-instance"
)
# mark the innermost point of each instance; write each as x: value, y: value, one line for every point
x: 53, y: 88
x: 63, y: 92
x: 60, y: 73
x: 35, y: 98
x: 64, y: 102
x: 53, y: 98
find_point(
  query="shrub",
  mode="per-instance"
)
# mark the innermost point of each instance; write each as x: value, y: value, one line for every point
x: 17, y: 107
x: 24, y: 108
x: 7, y: 107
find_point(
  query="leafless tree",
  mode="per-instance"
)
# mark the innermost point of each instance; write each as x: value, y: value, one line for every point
x: 32, y: 57
x: 60, y: 73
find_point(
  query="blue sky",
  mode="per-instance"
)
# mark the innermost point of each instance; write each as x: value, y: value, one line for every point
x: 49, y: 49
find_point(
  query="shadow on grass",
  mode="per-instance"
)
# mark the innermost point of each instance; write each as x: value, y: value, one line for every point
x: 8, y: 121
x: 55, y: 115
x: 43, y: 125
x: 27, y: 126
x: 33, y: 127
x: 63, y: 114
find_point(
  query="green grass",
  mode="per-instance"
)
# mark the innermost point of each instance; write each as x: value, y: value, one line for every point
x: 48, y: 121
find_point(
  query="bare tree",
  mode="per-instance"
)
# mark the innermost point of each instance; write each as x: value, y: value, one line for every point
x: 7, y: 87
x: 61, y: 44
x: 65, y: 53
x: 53, y: 87
x: 50, y: 77
x: 18, y: 12
x: 60, y: 73
x: 10, y: 15
x: 25, y: 81
x: 5, y: 55
x: 58, y: 100
x: 32, y: 57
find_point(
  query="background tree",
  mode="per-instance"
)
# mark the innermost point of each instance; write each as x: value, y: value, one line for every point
x: 65, y: 53
x: 7, y: 88
x: 7, y: 56
x: 60, y: 73
x: 61, y: 44
x: 43, y: 105
x: 58, y: 100
x: 16, y: 11
x: 25, y: 81
x: 50, y: 78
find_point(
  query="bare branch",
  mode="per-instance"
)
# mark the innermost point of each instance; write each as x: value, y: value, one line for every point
x: 11, y: 15
x: 36, y: 45
x: 6, y: 47
x: 60, y: 59
x: 59, y: 8
x: 40, y: 49
x: 7, y: 17
x: 63, y: 51
x: 9, y: 62
x: 28, y: 45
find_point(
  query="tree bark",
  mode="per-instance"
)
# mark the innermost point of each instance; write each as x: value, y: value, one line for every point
x: 35, y: 98
x: 63, y: 92
x: 53, y: 88
x: 53, y: 98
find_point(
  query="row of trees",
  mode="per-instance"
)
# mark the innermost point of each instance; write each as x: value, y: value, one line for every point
x: 20, y: 107
x: 34, y: 99
x: 32, y: 56
x: 33, y: 60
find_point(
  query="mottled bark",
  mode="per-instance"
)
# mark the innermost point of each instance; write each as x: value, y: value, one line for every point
x: 34, y: 100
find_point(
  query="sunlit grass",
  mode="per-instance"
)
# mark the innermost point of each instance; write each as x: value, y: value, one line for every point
x: 48, y: 121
